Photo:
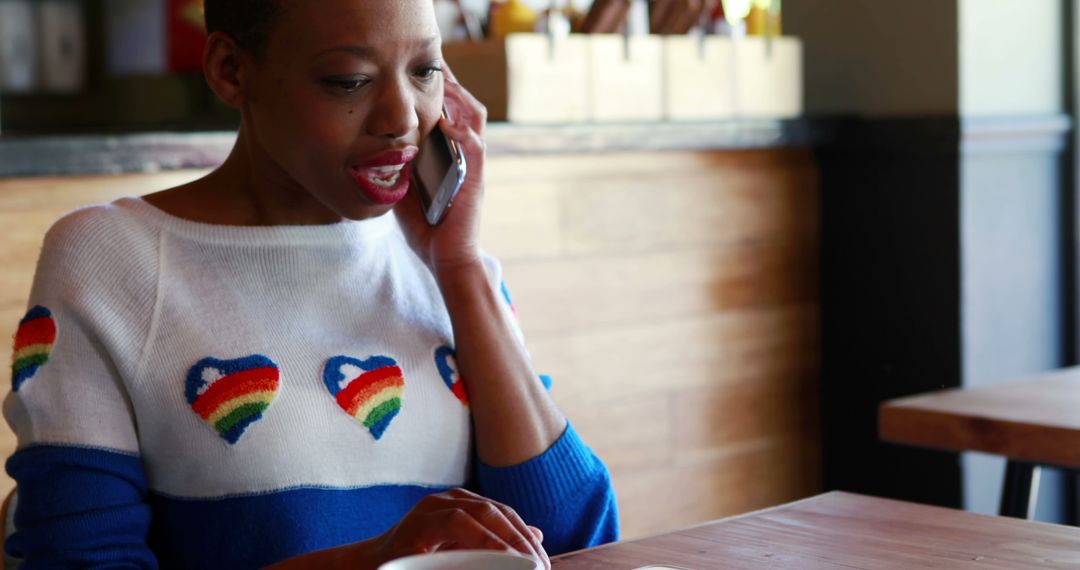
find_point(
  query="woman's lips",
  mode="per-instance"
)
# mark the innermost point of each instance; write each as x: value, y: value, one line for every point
x: 384, y: 179
x: 390, y: 157
x: 382, y: 187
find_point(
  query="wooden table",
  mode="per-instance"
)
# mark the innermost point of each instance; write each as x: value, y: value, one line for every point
x: 842, y: 530
x: 1031, y: 422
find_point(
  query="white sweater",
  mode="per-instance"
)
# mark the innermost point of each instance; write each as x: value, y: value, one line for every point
x: 248, y: 363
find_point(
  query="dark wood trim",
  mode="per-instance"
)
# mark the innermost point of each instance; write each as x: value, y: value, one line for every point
x: 1070, y: 214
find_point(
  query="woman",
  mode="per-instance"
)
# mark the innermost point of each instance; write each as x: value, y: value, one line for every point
x: 264, y: 366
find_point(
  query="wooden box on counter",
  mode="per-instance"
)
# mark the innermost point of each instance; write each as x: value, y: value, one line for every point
x: 525, y: 78
x: 534, y: 79
x: 721, y: 78
x: 531, y: 78
x: 699, y: 78
x: 768, y: 77
x: 625, y: 78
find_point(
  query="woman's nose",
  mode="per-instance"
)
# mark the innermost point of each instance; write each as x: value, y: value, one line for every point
x: 394, y: 113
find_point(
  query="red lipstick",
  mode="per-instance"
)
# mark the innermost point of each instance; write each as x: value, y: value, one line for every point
x: 384, y: 178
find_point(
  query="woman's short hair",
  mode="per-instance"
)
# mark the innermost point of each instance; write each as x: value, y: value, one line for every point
x: 247, y: 22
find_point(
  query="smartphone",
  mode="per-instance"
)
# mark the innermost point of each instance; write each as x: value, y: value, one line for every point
x: 439, y: 173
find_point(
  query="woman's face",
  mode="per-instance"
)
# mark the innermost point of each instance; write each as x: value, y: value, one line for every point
x: 343, y: 95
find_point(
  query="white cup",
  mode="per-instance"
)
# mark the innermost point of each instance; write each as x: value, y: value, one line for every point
x: 463, y: 560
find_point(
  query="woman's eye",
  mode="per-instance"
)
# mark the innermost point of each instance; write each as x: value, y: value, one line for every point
x: 427, y: 72
x: 347, y: 85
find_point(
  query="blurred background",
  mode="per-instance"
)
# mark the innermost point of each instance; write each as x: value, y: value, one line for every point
x: 732, y: 229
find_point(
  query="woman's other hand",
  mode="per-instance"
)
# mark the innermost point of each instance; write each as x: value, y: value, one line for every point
x: 454, y: 520
x: 458, y: 520
x: 454, y: 242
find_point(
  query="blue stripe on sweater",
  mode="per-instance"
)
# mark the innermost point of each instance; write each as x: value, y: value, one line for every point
x: 258, y: 530
x: 79, y: 508
x: 82, y: 507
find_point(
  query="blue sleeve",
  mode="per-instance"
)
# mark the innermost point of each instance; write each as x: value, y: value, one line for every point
x: 565, y: 492
x: 79, y: 508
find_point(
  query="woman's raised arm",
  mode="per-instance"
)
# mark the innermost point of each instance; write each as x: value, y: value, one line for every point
x: 530, y: 458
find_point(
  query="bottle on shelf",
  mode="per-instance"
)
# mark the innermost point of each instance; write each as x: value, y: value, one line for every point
x: 18, y: 47
x: 62, y: 50
x: 764, y: 18
x: 511, y: 16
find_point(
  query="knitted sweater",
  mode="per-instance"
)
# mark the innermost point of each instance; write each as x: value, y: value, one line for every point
x: 199, y: 396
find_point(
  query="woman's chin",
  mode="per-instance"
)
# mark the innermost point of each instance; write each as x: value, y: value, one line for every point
x: 358, y: 213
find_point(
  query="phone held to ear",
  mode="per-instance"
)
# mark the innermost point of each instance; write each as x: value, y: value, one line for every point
x: 440, y: 171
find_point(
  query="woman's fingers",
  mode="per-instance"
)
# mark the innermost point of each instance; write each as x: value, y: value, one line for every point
x: 465, y: 135
x: 475, y: 525
x: 457, y: 528
x: 465, y: 123
x: 472, y: 146
x: 459, y: 519
x: 533, y: 540
x: 496, y: 520
x: 507, y: 525
x: 460, y: 89
x: 450, y: 73
x: 465, y: 107
x: 461, y: 113
x: 504, y: 522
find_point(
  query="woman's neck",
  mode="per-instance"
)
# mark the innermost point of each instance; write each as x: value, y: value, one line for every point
x: 248, y: 189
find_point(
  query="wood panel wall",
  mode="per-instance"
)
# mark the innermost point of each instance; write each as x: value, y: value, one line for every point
x: 673, y: 297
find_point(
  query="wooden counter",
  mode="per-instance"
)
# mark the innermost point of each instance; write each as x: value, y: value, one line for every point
x: 846, y: 531
x: 672, y: 296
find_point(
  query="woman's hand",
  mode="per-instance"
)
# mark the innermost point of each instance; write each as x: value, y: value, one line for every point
x: 454, y: 520
x: 454, y: 242
x: 458, y: 520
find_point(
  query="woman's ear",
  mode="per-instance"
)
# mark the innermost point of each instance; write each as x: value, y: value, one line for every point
x: 224, y: 66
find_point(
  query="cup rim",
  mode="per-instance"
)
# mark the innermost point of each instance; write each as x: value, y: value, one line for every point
x: 450, y: 555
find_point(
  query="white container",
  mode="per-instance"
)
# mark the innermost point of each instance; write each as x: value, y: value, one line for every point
x: 547, y: 79
x: 699, y: 78
x: 741, y: 77
x: 463, y: 560
x: 18, y: 47
x: 526, y: 78
x: 62, y: 40
x: 625, y: 78
x: 768, y: 75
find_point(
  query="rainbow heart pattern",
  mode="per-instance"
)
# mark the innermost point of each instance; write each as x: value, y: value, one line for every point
x: 230, y: 395
x: 368, y: 390
x: 446, y: 363
x: 33, y: 342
